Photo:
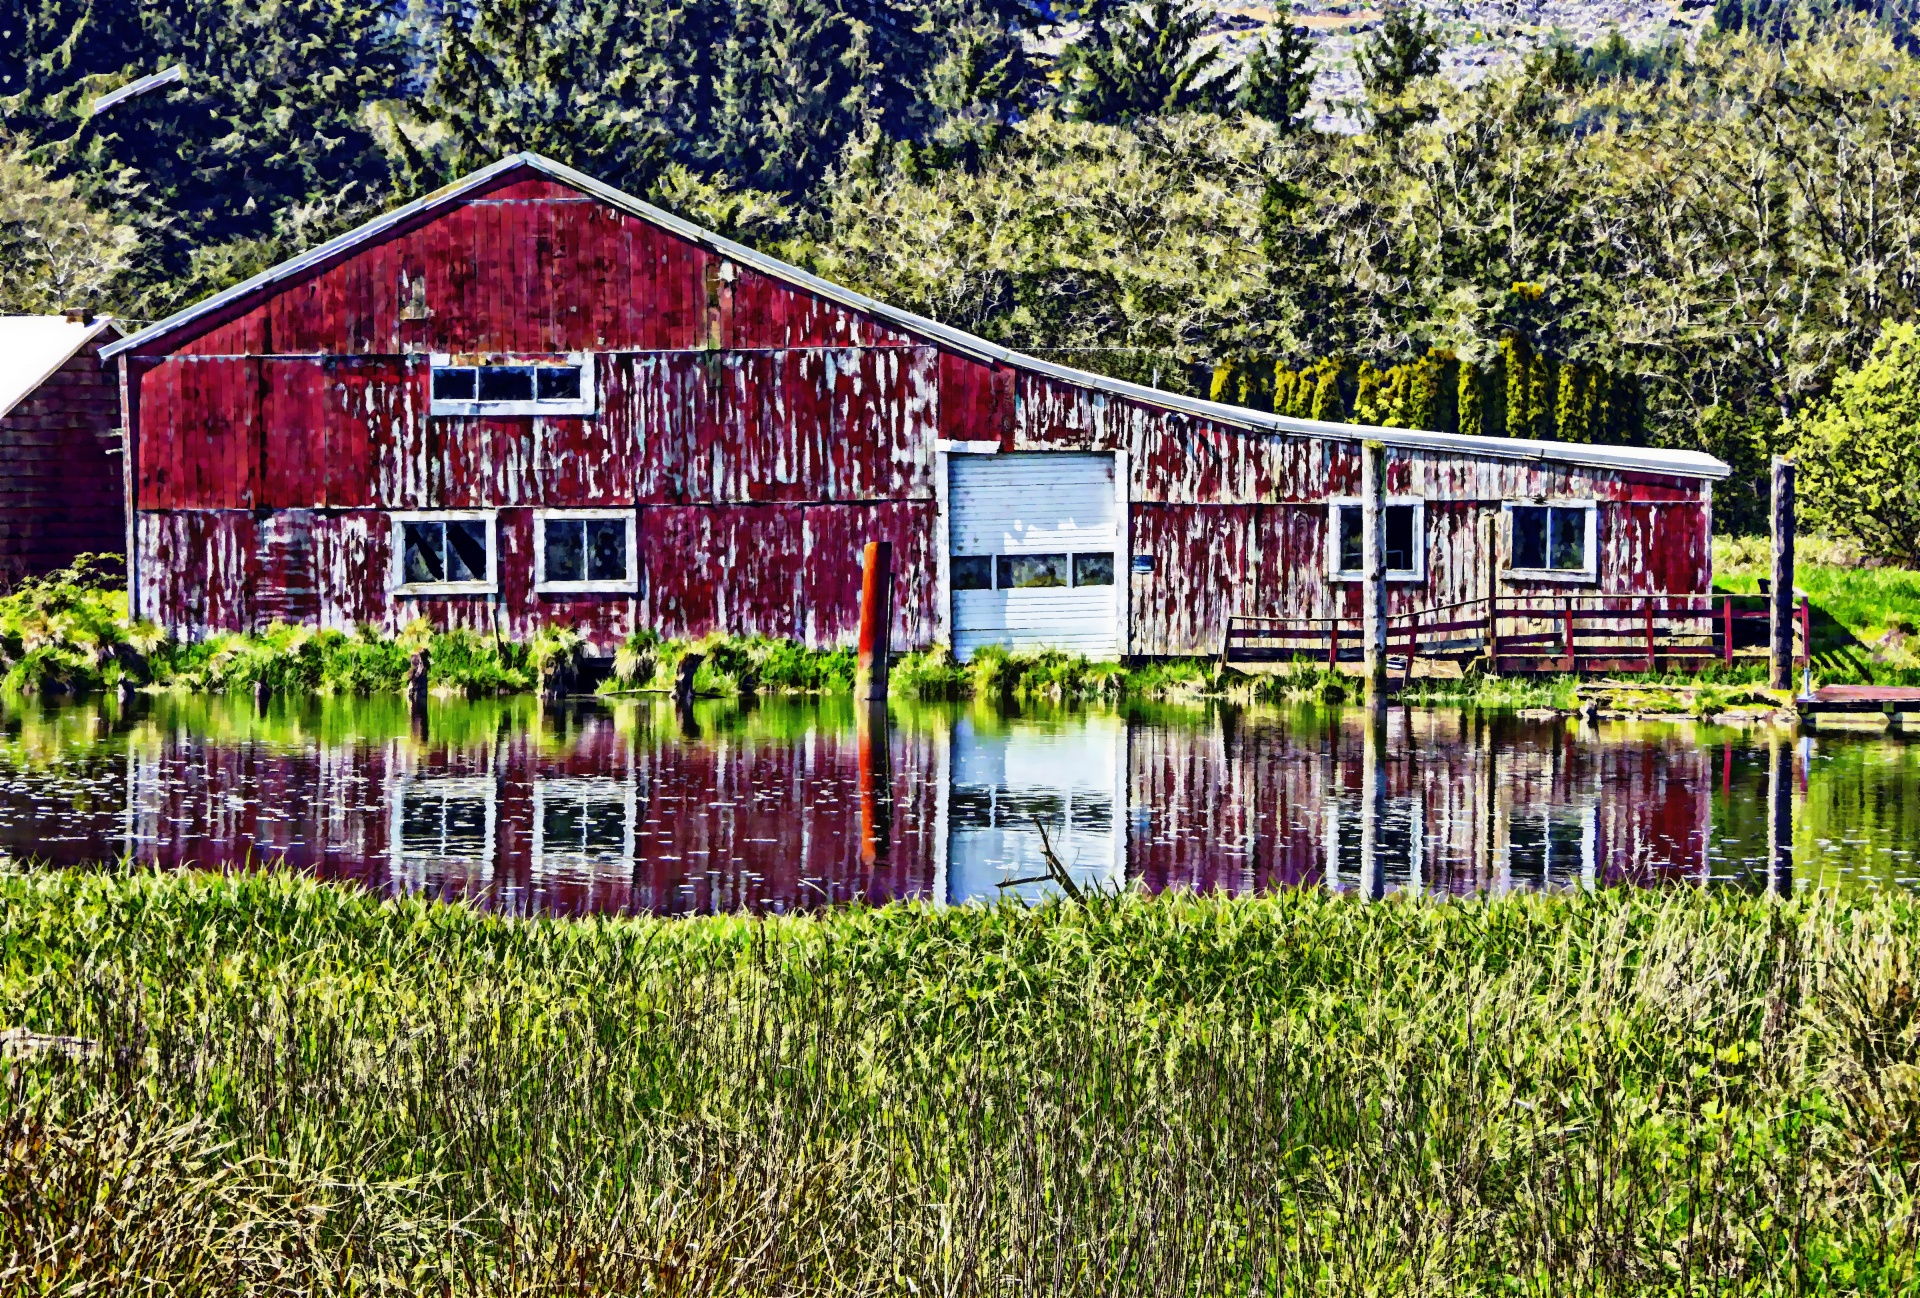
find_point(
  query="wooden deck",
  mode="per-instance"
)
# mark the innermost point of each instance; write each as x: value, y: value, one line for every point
x: 1843, y: 699
x: 1538, y: 633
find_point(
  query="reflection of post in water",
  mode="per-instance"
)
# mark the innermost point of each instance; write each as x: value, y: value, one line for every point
x: 876, y: 783
x: 1495, y: 810
x: 1373, y: 800
x: 419, y: 668
x: 1779, y: 817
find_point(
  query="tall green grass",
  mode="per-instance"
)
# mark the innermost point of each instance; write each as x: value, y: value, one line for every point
x: 297, y: 1089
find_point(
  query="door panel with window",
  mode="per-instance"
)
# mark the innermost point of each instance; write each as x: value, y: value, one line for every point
x: 1031, y: 540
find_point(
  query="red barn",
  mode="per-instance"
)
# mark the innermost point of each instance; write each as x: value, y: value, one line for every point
x: 60, y: 475
x: 531, y: 398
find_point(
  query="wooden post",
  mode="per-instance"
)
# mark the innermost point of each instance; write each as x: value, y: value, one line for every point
x: 1780, y: 604
x: 1413, y: 645
x: 1566, y: 630
x: 1726, y: 604
x: 876, y: 621
x: 419, y: 668
x: 1489, y: 546
x: 1333, y: 642
x: 873, y: 750
x: 1373, y: 541
x: 1649, y: 635
x: 1806, y: 632
x: 683, y: 673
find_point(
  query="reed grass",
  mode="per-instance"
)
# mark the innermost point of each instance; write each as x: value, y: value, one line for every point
x: 300, y: 1089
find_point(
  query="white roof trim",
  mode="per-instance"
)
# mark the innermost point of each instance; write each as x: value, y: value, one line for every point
x: 1686, y: 464
x: 34, y: 348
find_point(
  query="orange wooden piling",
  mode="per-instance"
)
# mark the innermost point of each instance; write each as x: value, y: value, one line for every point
x: 876, y: 617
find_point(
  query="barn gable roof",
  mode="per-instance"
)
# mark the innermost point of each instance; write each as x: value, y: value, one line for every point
x: 1688, y: 464
x: 34, y: 347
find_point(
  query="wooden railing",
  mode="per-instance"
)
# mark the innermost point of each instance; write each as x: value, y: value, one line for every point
x: 1539, y: 633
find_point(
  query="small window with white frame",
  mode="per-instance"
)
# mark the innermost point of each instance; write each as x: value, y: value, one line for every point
x: 1404, y: 520
x: 1552, y: 541
x: 585, y: 551
x: 444, y: 552
x: 556, y: 385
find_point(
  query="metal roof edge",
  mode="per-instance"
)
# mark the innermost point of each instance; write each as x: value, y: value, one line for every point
x: 1690, y: 464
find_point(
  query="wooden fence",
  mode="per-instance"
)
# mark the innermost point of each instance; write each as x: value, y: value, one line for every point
x: 1539, y: 633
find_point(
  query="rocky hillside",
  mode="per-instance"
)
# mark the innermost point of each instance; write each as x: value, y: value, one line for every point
x: 1481, y: 35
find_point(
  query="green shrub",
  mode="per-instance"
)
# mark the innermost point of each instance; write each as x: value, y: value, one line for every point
x: 68, y: 632
x: 931, y: 673
x: 465, y: 662
x: 1859, y: 455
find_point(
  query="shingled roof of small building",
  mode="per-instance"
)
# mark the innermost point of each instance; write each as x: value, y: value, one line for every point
x: 1687, y: 464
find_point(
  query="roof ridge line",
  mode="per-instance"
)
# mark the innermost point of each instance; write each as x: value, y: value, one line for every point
x: 1689, y: 464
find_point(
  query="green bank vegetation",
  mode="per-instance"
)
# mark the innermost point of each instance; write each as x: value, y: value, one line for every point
x: 68, y: 634
x: 262, y: 1083
x: 1866, y: 615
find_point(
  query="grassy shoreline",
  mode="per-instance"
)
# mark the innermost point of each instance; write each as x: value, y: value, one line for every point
x: 70, y: 634
x: 279, y: 1083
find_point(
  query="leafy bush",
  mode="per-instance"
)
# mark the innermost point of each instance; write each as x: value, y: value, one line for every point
x: 465, y: 662
x: 1859, y: 452
x: 68, y: 632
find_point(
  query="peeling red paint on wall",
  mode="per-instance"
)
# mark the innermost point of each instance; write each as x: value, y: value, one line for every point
x: 761, y: 433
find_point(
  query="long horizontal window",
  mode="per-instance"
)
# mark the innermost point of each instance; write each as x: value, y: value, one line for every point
x: 517, y: 388
x: 448, y: 553
x: 1031, y: 571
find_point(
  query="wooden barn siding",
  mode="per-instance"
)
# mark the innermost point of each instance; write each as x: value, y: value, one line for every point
x: 60, y: 481
x: 763, y: 433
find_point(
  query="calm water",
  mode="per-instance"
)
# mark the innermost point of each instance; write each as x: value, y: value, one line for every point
x: 786, y: 804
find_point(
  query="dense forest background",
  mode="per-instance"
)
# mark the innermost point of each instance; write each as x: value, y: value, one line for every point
x: 1683, y: 244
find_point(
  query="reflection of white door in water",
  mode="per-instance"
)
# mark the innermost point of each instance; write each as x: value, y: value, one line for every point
x: 1033, y: 540
x: 1068, y: 774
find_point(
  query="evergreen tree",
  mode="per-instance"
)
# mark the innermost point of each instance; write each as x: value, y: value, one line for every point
x: 1516, y: 364
x: 1471, y: 404
x: 266, y: 137
x: 1328, y: 404
x: 765, y: 93
x: 1277, y: 82
x: 1141, y: 60
x: 1404, y: 51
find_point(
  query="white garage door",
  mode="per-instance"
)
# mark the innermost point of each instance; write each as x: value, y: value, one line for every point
x: 1033, y: 540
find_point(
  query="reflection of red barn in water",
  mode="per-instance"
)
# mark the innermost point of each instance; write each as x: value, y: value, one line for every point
x: 615, y: 812
x: 780, y: 809
x: 1272, y: 801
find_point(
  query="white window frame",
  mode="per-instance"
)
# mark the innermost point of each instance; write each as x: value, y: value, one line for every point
x: 628, y: 585
x: 397, y: 583
x: 586, y: 404
x: 1417, y: 573
x: 1576, y: 576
